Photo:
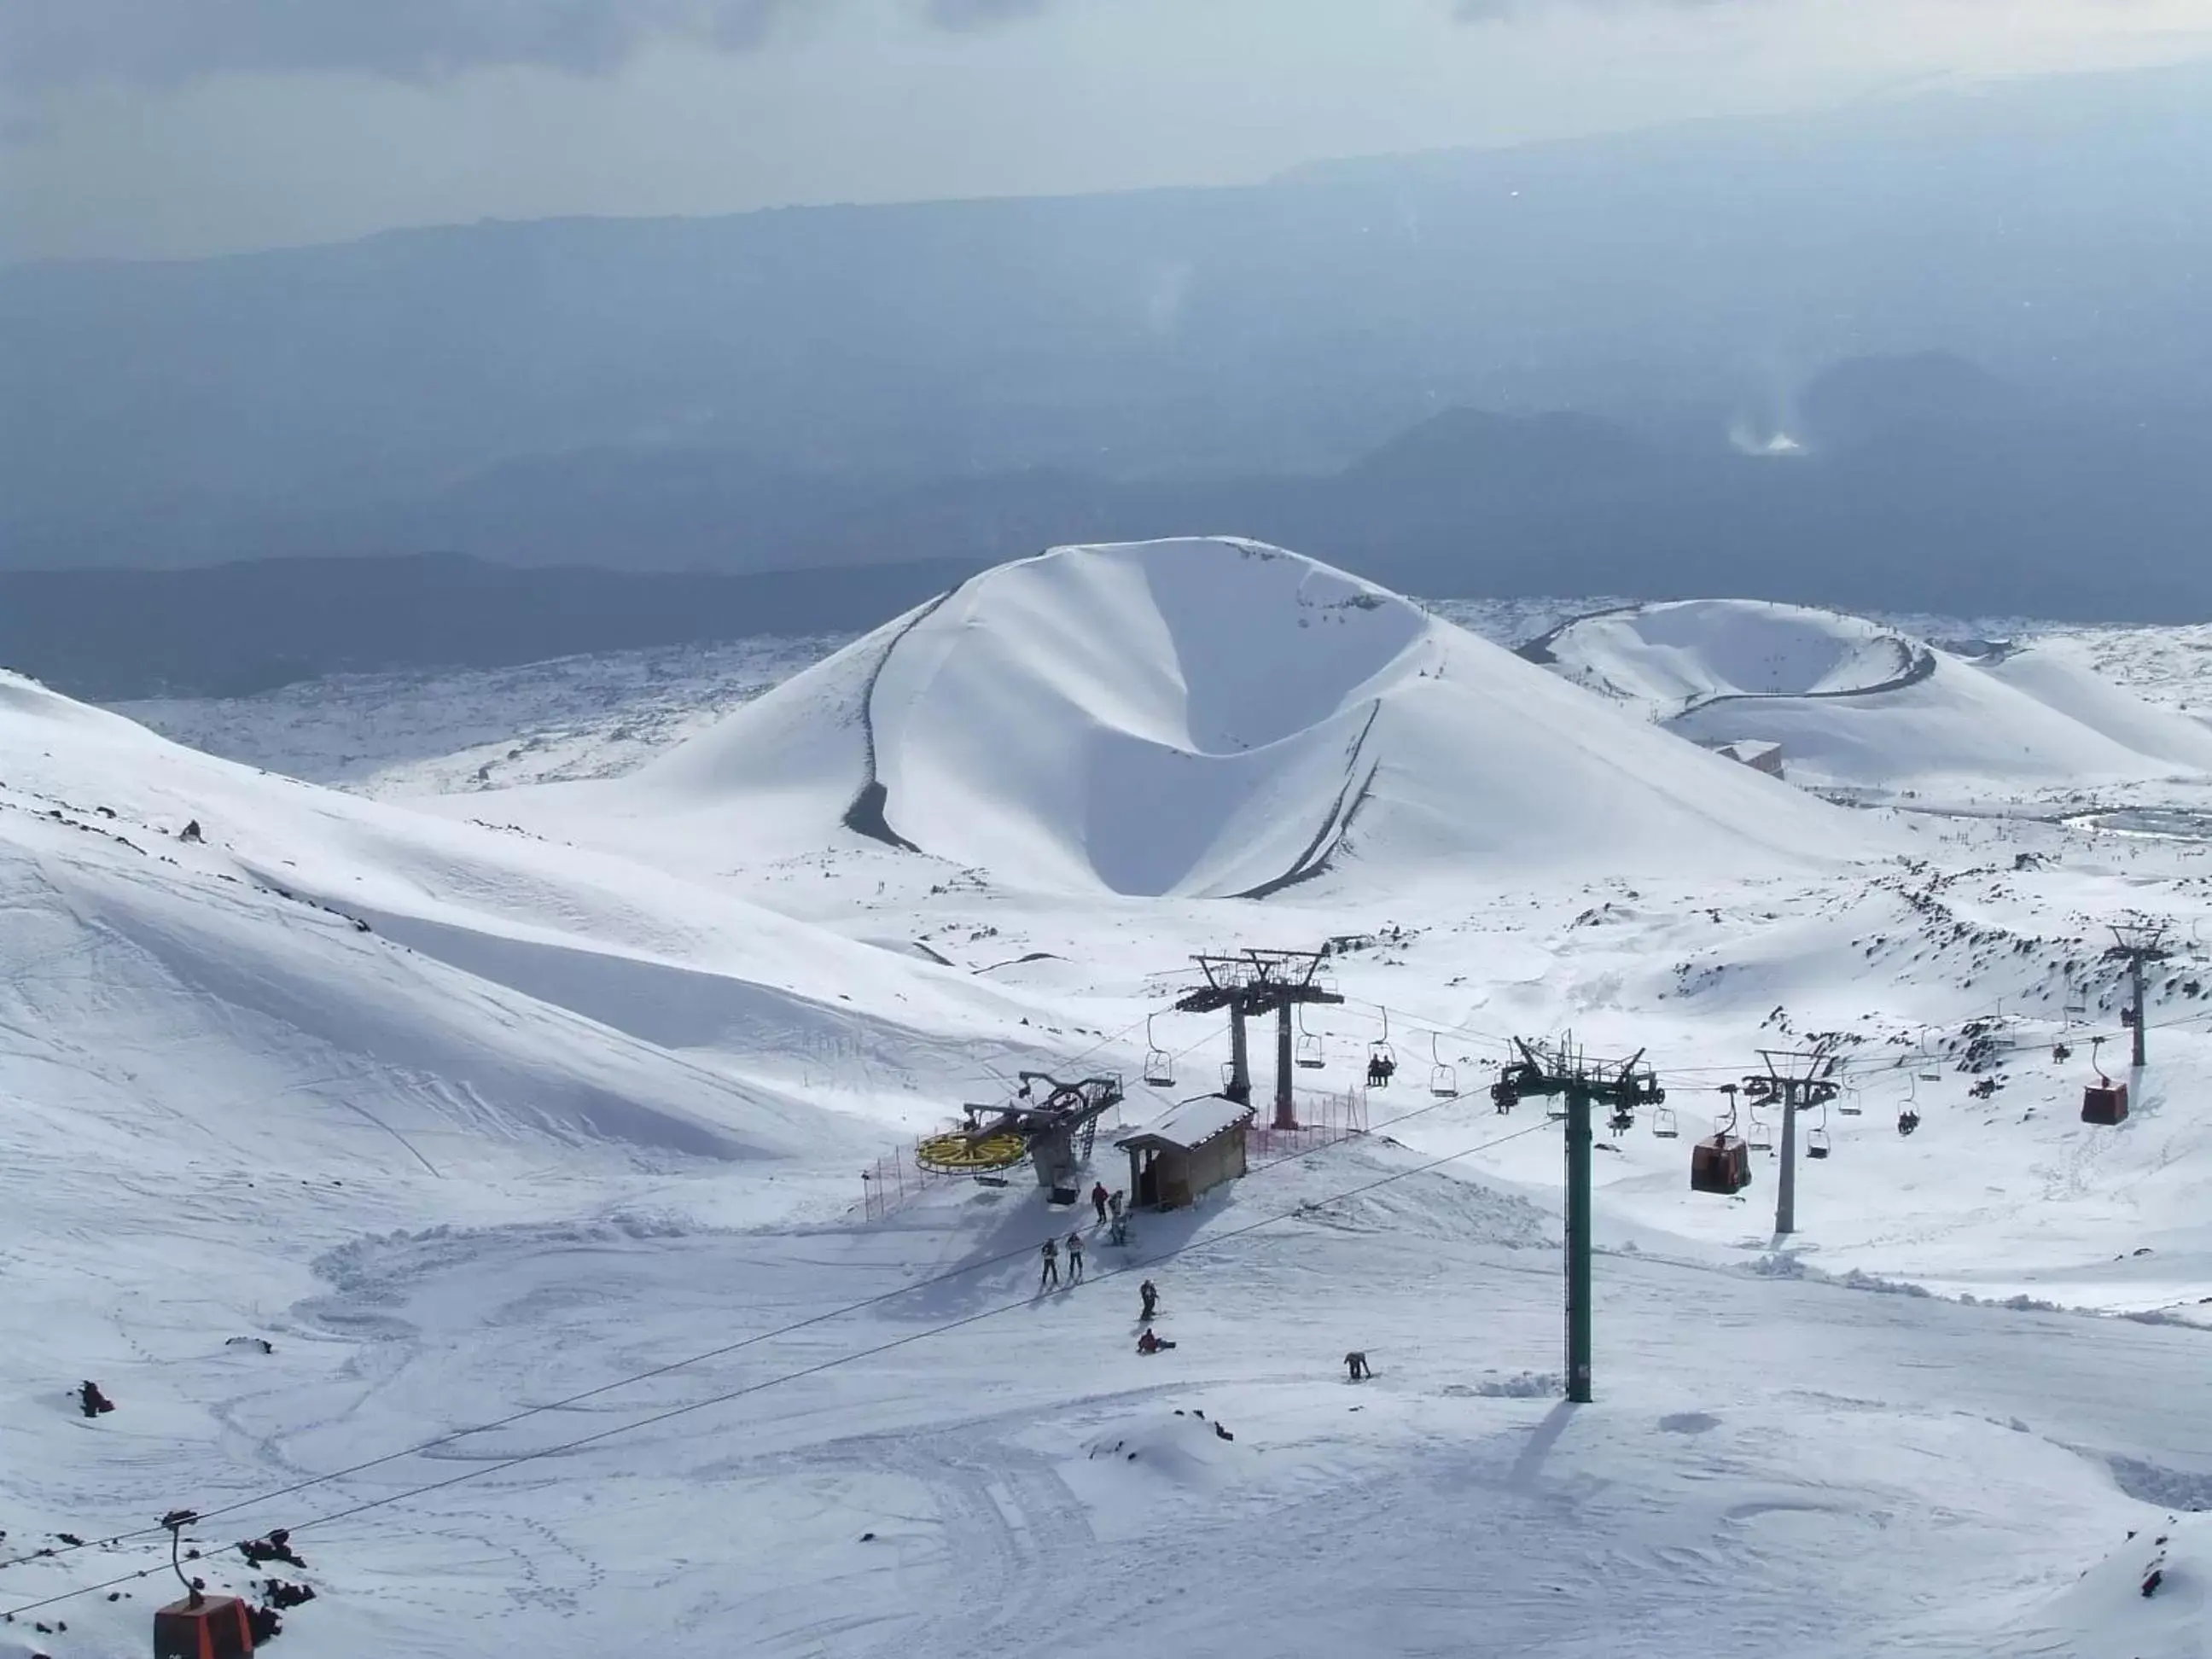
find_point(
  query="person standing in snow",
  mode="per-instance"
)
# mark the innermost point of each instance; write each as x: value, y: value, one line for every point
x: 1098, y: 1200
x: 1356, y: 1363
x: 1074, y: 1258
x: 1150, y: 1292
x: 1050, y: 1273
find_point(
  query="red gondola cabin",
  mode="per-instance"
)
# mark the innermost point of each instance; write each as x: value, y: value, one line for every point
x: 2105, y: 1102
x: 1720, y: 1164
x: 215, y: 1629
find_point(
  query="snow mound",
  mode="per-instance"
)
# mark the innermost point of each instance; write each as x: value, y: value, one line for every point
x: 2146, y: 1600
x: 1144, y: 1460
x: 1210, y: 718
x: 1854, y: 705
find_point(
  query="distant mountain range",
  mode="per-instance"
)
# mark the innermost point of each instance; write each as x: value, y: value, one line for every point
x: 1946, y: 353
x: 1915, y: 483
x: 235, y: 629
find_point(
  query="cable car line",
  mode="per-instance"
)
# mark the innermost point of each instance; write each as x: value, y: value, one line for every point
x: 1192, y: 1247
x: 273, y: 1494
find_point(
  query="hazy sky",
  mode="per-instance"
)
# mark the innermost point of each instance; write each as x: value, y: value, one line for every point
x: 161, y: 127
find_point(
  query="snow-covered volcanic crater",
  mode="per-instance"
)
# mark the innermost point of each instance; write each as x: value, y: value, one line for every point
x: 1206, y: 718
x: 1857, y: 705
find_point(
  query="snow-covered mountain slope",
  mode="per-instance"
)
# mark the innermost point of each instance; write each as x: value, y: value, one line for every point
x: 1859, y: 706
x: 2060, y: 672
x: 1204, y: 717
x: 733, y: 1006
x: 570, y: 1142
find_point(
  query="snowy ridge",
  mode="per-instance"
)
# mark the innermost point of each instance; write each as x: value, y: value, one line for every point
x: 1678, y: 657
x: 1205, y: 718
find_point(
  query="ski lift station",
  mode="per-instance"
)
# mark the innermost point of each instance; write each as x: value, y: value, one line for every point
x: 1194, y: 1148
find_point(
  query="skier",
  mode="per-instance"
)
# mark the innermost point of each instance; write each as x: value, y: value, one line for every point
x: 1050, y: 1275
x: 91, y: 1401
x: 1150, y: 1292
x: 1074, y: 1258
x: 1148, y: 1343
x: 1098, y: 1201
x: 1356, y: 1363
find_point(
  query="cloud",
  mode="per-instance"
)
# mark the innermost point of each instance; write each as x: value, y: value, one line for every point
x: 50, y: 42
x: 964, y: 15
x: 1496, y: 11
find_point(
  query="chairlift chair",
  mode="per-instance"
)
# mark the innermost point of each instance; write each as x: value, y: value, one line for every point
x: 1848, y: 1104
x: 1381, y: 1058
x: 1817, y: 1144
x: 1515, y: 1078
x: 1310, y: 1057
x: 1663, y: 1124
x: 1159, y: 1065
x: 1761, y: 1136
x: 1444, y: 1080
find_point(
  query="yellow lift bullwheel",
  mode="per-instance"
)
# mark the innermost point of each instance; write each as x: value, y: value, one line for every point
x: 960, y: 1154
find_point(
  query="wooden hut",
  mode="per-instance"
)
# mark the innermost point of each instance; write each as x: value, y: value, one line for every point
x: 1191, y: 1150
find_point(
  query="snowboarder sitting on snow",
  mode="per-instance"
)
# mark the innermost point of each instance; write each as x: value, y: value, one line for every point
x: 1150, y: 1292
x: 1075, y: 1258
x: 1150, y: 1343
x: 1098, y: 1201
x: 91, y: 1401
x: 1356, y: 1363
x: 1050, y: 1275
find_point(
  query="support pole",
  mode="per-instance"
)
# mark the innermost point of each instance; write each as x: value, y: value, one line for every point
x: 1785, y: 1189
x: 1578, y: 1243
x: 2136, y: 995
x: 1240, y: 1064
x: 1286, y: 1111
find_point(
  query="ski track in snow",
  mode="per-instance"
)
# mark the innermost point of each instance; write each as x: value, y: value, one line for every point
x: 469, y: 1120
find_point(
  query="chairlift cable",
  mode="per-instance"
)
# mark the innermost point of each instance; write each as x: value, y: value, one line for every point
x: 476, y: 1471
